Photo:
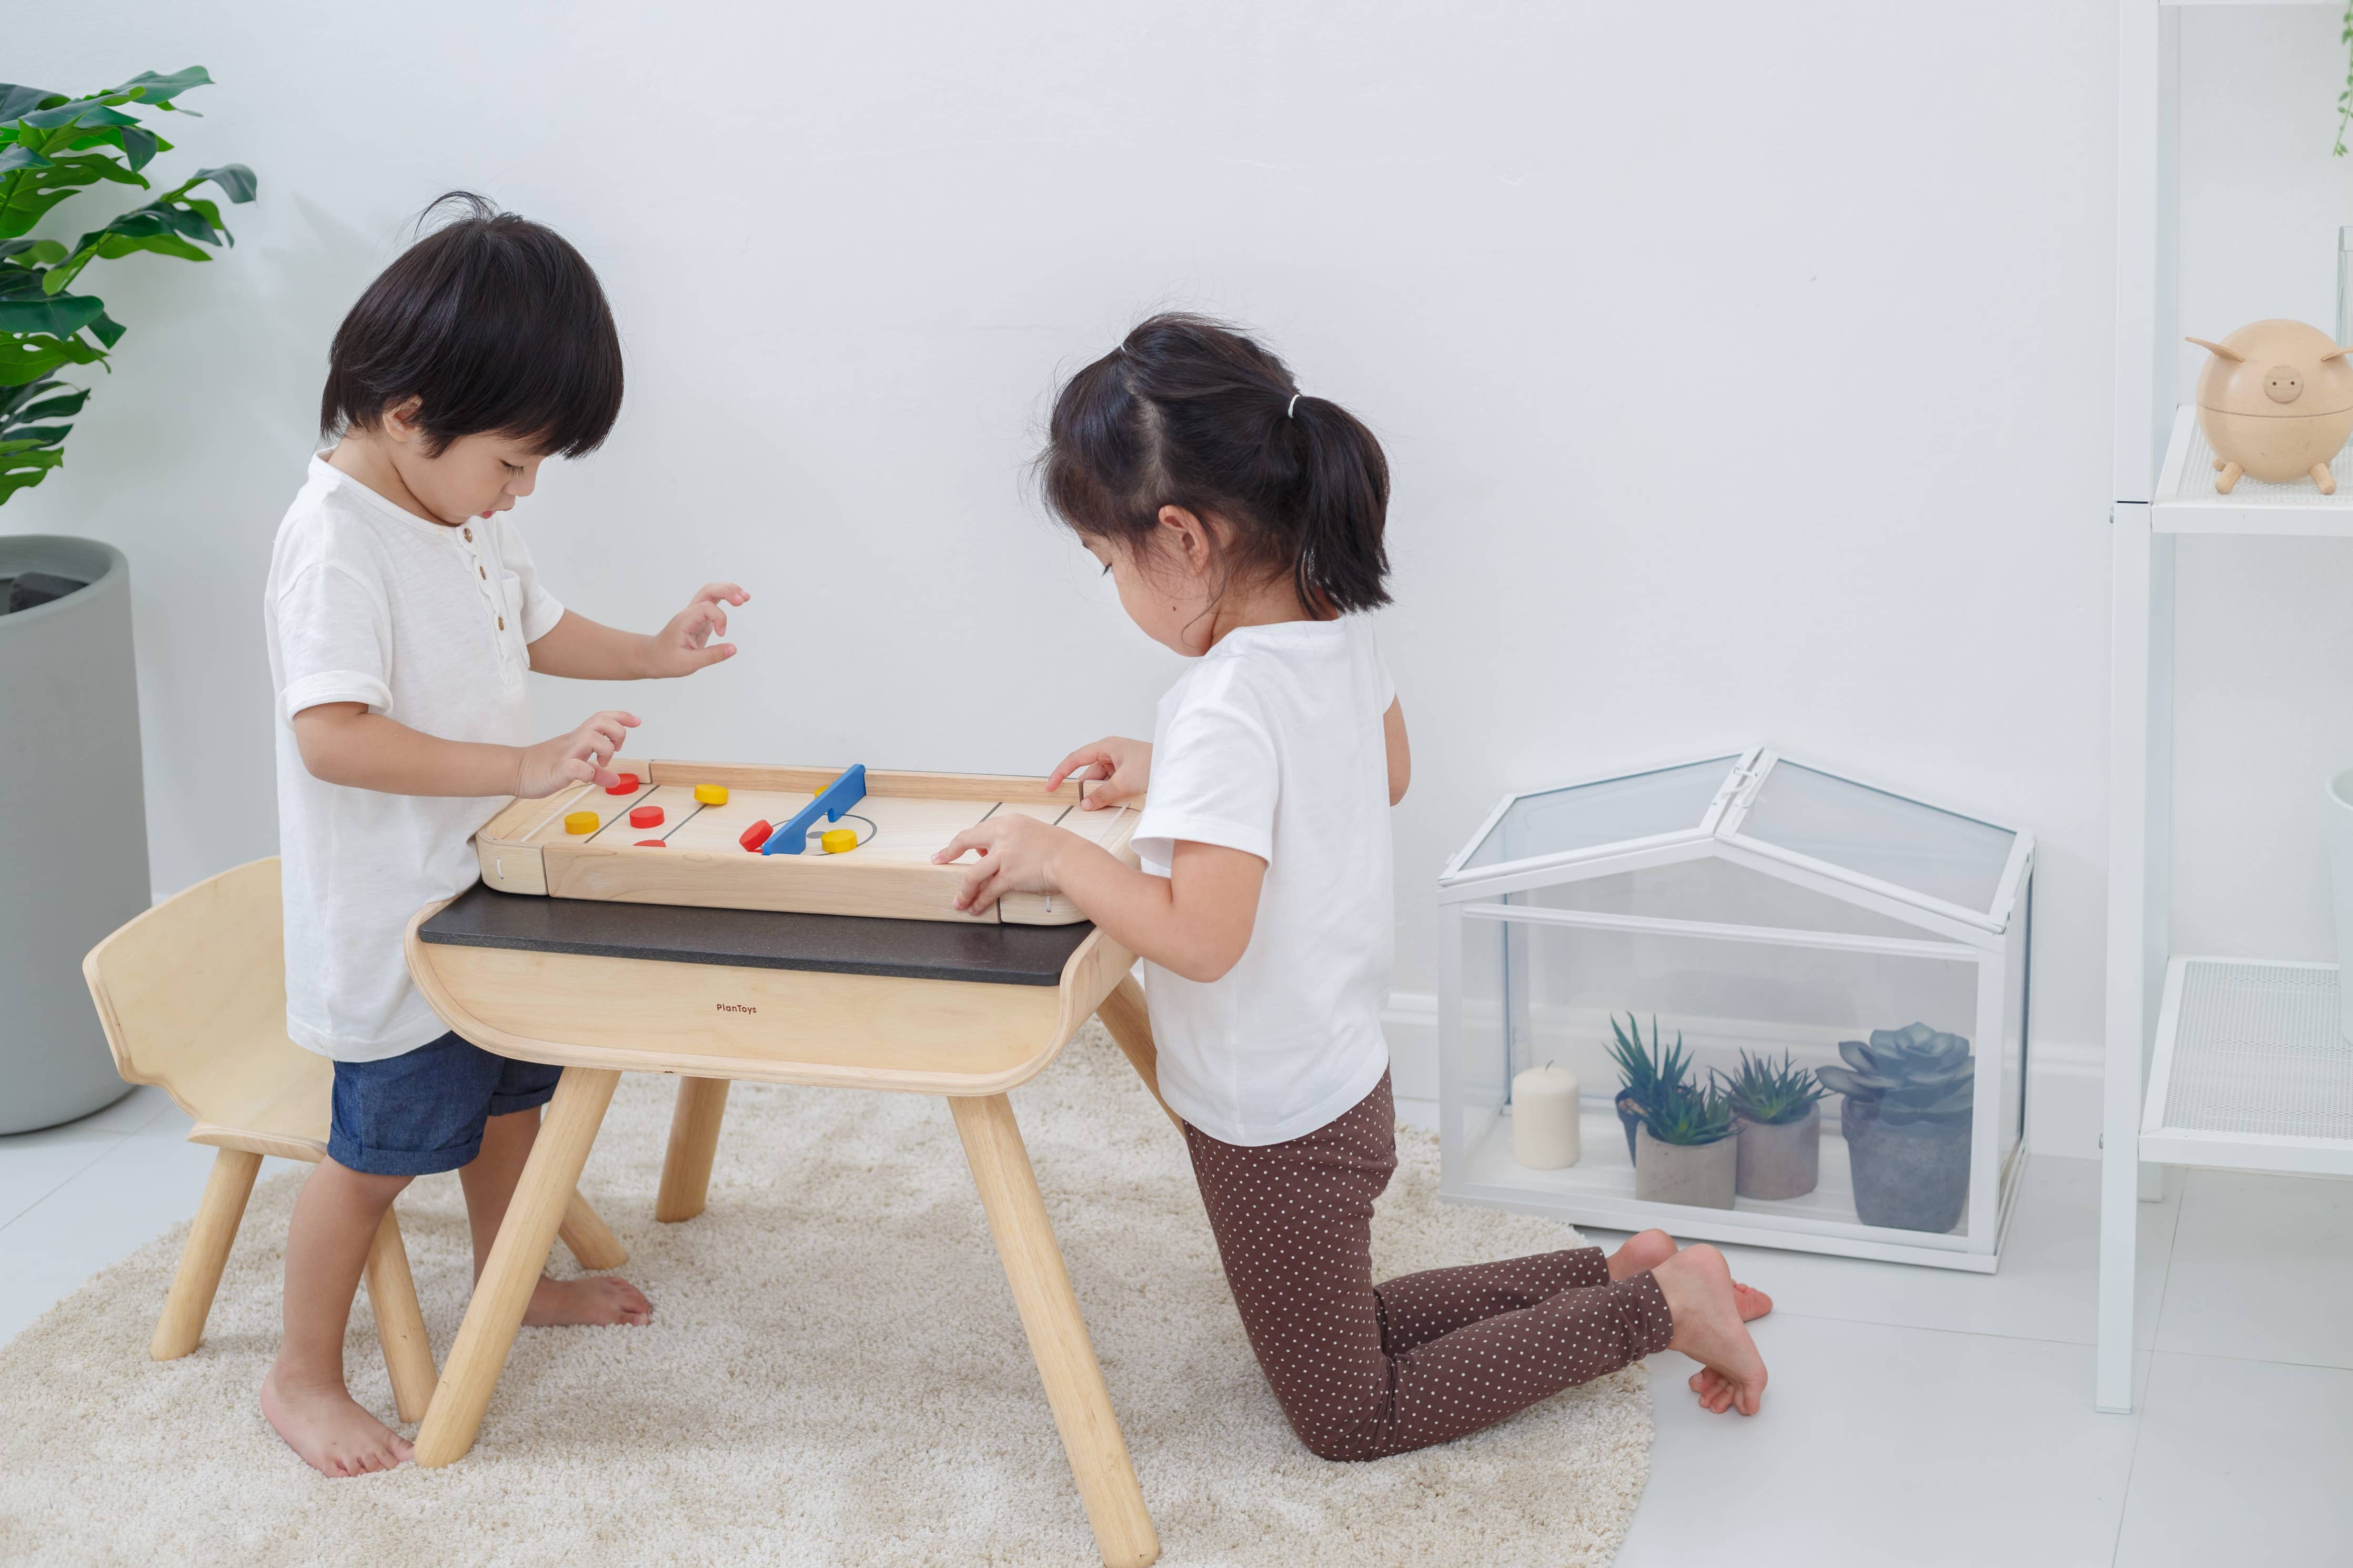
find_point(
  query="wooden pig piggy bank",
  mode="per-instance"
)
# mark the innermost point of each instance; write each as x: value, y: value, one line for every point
x: 2276, y: 401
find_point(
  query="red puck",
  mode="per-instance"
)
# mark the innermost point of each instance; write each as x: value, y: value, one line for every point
x: 754, y: 836
x: 628, y: 785
x: 652, y: 844
x: 645, y: 816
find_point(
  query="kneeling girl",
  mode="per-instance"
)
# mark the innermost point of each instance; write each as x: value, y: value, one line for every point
x: 1242, y: 521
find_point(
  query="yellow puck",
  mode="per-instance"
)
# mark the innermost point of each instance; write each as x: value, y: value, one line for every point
x: 837, y: 839
x: 710, y: 794
x: 580, y: 822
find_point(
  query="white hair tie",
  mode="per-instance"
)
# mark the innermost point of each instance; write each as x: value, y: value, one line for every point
x: 1294, y: 403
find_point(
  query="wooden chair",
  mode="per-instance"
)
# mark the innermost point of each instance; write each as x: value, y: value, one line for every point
x: 193, y: 998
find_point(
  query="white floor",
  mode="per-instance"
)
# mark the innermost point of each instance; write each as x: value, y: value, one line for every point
x: 1915, y: 1417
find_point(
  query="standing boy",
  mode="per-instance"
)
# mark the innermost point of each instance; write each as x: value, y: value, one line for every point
x: 404, y: 615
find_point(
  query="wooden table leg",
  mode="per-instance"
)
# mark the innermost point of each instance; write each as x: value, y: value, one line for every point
x: 1123, y: 1014
x: 588, y: 1238
x: 1058, y: 1337
x: 190, y: 1301
x: 399, y: 1321
x: 693, y: 1144
x: 516, y: 1260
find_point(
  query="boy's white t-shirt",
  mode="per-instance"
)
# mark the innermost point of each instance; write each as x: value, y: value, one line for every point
x: 426, y: 624
x: 1273, y: 744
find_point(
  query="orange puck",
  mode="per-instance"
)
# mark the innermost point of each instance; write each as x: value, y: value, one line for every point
x: 645, y: 816
x: 628, y: 785
x: 754, y: 836
x: 652, y: 844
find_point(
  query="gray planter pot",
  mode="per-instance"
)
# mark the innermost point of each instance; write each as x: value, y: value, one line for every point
x: 1698, y: 1174
x: 1780, y: 1159
x: 73, y: 824
x: 1910, y: 1177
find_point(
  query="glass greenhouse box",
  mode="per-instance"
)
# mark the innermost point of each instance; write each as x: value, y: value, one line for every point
x: 1743, y: 1000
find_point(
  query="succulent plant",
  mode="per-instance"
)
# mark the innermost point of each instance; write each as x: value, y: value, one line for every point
x: 1647, y: 1070
x: 1689, y: 1113
x: 1912, y: 1074
x: 1770, y: 1092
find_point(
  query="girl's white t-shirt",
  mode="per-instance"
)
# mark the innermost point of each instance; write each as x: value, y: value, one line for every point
x: 428, y: 625
x: 1273, y: 744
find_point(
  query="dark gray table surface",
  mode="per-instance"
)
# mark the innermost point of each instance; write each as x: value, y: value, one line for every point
x: 759, y: 939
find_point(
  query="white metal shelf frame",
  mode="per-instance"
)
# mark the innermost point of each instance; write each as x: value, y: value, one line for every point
x: 2161, y: 493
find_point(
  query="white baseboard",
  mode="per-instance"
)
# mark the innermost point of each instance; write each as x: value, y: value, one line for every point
x: 2062, y: 1091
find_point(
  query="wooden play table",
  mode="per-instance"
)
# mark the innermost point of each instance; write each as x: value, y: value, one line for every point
x: 966, y: 1010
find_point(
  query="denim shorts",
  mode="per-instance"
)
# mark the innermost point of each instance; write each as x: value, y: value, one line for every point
x: 423, y: 1110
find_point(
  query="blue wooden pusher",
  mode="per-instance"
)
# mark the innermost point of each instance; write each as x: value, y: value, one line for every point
x: 830, y: 803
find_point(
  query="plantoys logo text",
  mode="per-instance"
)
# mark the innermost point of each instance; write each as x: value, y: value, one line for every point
x: 734, y: 1007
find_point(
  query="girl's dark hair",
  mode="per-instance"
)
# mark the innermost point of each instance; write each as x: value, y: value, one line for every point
x: 494, y: 323
x: 1189, y: 412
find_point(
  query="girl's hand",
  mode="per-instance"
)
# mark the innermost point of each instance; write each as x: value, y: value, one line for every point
x: 577, y: 758
x: 678, y: 648
x: 1017, y: 855
x: 1122, y: 767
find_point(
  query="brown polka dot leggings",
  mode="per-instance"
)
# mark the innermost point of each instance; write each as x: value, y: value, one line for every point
x: 1366, y: 1370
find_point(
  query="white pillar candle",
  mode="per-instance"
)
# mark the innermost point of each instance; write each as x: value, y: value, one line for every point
x: 1543, y: 1118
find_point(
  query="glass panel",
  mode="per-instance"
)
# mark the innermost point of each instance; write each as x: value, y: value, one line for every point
x: 1476, y: 1074
x: 1585, y: 817
x: 1721, y: 893
x: 1899, y: 1157
x: 1884, y: 837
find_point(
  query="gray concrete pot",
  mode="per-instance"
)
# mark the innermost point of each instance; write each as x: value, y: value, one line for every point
x: 1914, y: 1176
x: 73, y: 824
x: 1698, y: 1174
x: 1780, y: 1159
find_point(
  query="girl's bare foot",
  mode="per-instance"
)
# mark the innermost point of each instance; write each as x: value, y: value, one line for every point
x: 598, y: 1299
x: 326, y: 1427
x: 1697, y: 1284
x: 1641, y: 1253
x: 1647, y: 1250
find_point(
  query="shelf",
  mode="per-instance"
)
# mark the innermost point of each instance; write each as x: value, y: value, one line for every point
x: 2187, y: 502
x: 2250, y: 1072
x: 1598, y: 1190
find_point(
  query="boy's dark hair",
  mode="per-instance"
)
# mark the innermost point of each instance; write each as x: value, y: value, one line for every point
x: 495, y: 325
x: 1189, y: 412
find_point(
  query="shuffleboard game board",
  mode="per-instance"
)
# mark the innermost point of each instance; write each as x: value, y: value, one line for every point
x: 708, y: 833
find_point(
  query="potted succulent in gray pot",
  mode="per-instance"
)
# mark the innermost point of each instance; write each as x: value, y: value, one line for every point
x: 73, y: 825
x: 1644, y: 1073
x: 1688, y: 1153
x: 1910, y: 1098
x: 1777, y: 1107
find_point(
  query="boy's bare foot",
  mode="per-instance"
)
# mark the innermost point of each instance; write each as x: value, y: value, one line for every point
x: 327, y: 1428
x: 1647, y: 1250
x: 598, y: 1299
x: 1697, y: 1284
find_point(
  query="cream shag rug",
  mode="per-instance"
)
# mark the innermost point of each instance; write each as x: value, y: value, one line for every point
x: 835, y: 1374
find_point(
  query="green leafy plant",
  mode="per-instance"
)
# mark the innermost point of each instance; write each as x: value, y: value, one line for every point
x: 1770, y: 1092
x: 53, y: 146
x: 1912, y: 1074
x: 1646, y: 1071
x: 1688, y: 1114
x: 2344, y: 98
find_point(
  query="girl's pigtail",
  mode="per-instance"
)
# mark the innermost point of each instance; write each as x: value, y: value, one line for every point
x: 1343, y: 511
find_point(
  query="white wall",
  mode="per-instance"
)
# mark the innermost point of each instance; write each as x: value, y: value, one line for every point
x: 1744, y: 369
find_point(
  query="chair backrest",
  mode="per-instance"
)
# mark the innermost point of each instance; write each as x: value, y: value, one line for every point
x: 192, y: 995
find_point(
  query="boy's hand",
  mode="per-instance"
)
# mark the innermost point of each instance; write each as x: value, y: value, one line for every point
x: 577, y: 758
x: 1122, y: 767
x: 680, y: 647
x: 1017, y: 854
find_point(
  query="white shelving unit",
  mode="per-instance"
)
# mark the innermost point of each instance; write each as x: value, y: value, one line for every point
x: 2243, y: 1065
